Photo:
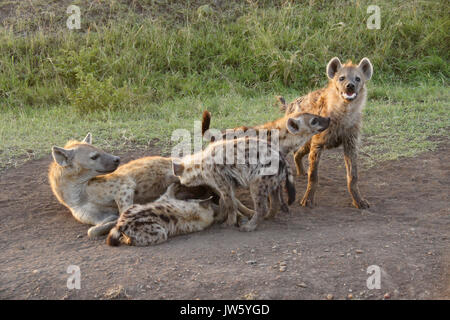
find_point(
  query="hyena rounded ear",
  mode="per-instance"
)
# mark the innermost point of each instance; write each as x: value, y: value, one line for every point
x: 366, y: 68
x: 88, y: 138
x: 62, y: 156
x: 333, y: 67
x: 177, y: 167
x: 293, y: 125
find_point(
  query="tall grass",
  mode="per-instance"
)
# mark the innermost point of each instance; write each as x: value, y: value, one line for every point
x: 128, y: 58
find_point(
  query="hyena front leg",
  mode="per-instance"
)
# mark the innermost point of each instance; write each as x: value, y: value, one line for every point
x: 313, y: 176
x: 124, y: 198
x: 260, y: 197
x: 298, y: 158
x: 102, y: 227
x: 350, y: 156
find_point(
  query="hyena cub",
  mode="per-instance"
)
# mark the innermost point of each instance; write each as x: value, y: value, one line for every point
x: 342, y: 101
x: 226, y: 164
x: 91, y: 184
x: 153, y: 223
x: 293, y: 131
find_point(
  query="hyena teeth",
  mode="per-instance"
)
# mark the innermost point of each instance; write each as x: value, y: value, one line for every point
x: 349, y: 97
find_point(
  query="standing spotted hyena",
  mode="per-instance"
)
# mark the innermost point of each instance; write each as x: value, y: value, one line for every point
x: 342, y: 101
x: 153, y: 223
x: 91, y: 184
x: 294, y: 129
x: 226, y: 164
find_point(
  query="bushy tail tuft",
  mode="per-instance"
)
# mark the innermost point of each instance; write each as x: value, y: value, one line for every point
x: 206, y: 120
x: 282, y: 102
x: 114, y: 237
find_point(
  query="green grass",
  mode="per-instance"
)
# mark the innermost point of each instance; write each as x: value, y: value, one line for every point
x: 139, y: 69
x: 398, y: 121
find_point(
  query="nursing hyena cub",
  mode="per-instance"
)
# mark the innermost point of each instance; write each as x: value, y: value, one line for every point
x: 153, y: 223
x: 247, y: 162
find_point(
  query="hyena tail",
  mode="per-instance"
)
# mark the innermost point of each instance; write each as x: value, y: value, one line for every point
x: 114, y: 237
x: 206, y: 120
x: 290, y: 184
x: 282, y: 103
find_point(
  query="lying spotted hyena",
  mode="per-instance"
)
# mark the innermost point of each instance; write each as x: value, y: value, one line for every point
x: 91, y: 184
x: 342, y: 101
x: 246, y: 167
x: 153, y: 223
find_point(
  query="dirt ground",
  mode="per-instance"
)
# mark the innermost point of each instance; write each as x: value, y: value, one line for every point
x: 307, y: 255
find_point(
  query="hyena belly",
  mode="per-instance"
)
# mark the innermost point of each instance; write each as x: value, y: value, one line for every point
x: 143, y: 225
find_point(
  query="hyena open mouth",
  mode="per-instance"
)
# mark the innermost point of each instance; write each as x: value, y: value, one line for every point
x: 349, y: 96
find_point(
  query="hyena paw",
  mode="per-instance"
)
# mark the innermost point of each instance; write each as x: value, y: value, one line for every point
x: 231, y: 222
x: 284, y: 208
x: 362, y: 204
x: 247, y: 227
x: 269, y: 215
x: 306, y: 202
x: 301, y: 171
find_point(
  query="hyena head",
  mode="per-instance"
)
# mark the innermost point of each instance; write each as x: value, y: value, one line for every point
x: 187, y: 171
x: 349, y: 79
x: 192, y: 204
x: 85, y: 159
x: 306, y: 124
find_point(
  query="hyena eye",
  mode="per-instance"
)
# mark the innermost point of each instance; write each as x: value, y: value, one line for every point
x: 341, y: 78
x: 314, y: 121
x: 358, y: 79
x: 95, y: 156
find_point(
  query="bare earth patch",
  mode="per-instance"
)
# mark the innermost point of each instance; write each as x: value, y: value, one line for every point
x: 308, y: 255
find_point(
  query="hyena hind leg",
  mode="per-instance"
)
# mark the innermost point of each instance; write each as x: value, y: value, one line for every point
x: 260, y: 197
x: 274, y: 203
x: 228, y: 206
x: 283, y: 205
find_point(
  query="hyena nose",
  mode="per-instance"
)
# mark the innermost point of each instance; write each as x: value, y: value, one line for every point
x: 116, y: 160
x: 350, y: 86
